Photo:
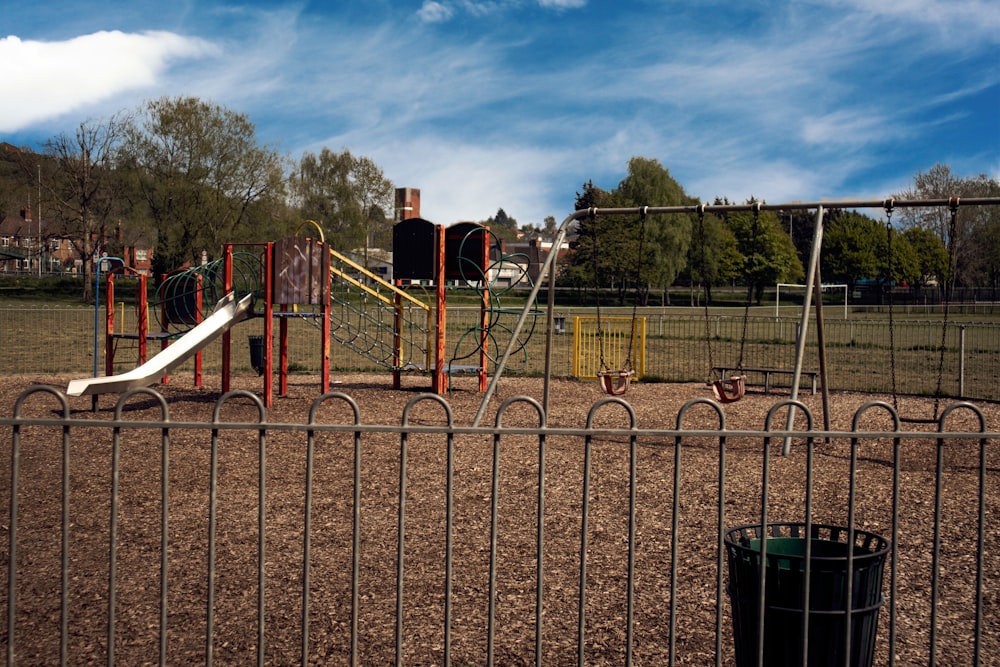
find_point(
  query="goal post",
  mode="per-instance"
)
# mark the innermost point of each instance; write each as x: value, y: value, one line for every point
x: 777, y: 295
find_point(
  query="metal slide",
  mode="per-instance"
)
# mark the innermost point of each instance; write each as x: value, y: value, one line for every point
x: 228, y: 311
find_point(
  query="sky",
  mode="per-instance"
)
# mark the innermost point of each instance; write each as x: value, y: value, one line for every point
x: 515, y: 104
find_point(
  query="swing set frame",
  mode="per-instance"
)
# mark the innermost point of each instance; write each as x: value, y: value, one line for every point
x: 547, y: 273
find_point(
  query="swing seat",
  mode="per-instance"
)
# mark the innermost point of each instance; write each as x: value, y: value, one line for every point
x: 734, y: 392
x: 615, y: 383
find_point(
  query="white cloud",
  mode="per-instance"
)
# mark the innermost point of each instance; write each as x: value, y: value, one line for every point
x: 469, y: 182
x: 48, y: 79
x: 562, y: 4
x: 435, y: 12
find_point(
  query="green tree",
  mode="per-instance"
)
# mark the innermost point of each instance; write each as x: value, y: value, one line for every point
x: 851, y: 246
x: 930, y: 254
x: 971, y: 248
x: 714, y: 257
x: 666, y: 237
x: 350, y: 197
x: 502, y: 226
x: 376, y: 196
x: 600, y: 257
x: 203, y: 177
x: 768, y: 251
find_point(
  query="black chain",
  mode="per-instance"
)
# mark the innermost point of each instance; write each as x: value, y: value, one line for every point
x: 888, y: 204
x: 704, y: 287
x: 746, y: 310
x: 952, y: 228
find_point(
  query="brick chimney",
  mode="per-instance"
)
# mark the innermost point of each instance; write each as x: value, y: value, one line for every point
x: 407, y: 203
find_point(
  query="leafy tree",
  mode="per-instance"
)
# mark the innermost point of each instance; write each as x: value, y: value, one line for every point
x: 600, y: 256
x: 930, y: 254
x: 714, y: 257
x: 851, y: 246
x: 203, y: 178
x: 973, y: 252
x: 550, y: 227
x: 349, y: 196
x: 376, y: 195
x: 768, y: 251
x: 502, y: 226
x: 667, y: 237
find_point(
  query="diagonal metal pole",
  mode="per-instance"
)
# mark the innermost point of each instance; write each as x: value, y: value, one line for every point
x: 547, y: 270
x: 800, y: 345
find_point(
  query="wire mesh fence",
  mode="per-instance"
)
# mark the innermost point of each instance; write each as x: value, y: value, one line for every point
x: 680, y: 347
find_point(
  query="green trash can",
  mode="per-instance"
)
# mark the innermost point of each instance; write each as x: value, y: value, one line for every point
x: 785, y: 587
x: 257, y: 353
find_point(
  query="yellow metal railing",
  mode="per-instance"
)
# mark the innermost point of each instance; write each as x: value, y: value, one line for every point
x: 622, y: 341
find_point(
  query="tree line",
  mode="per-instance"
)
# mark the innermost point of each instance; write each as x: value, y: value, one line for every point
x: 188, y: 176
x: 915, y: 247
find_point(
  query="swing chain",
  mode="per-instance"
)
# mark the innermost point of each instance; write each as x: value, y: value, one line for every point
x: 753, y: 252
x: 704, y: 286
x: 888, y: 205
x: 597, y: 290
x: 949, y: 286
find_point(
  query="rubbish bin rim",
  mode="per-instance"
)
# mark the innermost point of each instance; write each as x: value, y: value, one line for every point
x: 879, y: 544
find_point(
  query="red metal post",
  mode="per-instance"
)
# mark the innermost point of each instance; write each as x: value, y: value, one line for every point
x: 325, y: 328
x: 142, y: 312
x: 109, y: 329
x: 227, y: 277
x: 199, y: 301
x: 268, y: 324
x: 283, y: 352
x: 483, y: 314
x: 440, y: 382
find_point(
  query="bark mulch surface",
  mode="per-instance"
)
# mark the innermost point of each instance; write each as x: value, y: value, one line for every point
x: 693, y: 470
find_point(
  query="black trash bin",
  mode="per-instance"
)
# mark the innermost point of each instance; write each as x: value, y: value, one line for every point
x: 257, y: 354
x: 785, y: 586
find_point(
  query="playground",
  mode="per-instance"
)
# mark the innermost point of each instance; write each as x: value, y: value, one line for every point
x: 478, y: 519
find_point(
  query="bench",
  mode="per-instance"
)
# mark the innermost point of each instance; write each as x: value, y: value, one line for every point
x: 725, y: 371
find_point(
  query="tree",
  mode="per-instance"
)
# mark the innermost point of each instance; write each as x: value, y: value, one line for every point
x: 601, y: 254
x: 203, y: 178
x: 975, y: 226
x: 667, y: 237
x: 349, y: 196
x: 84, y: 188
x: 550, y: 228
x: 769, y: 254
x: 502, y: 226
x: 376, y: 196
x: 851, y: 243
x: 714, y: 257
x: 930, y: 254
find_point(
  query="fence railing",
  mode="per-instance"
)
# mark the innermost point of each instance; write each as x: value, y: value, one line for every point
x: 134, y: 538
x: 680, y: 347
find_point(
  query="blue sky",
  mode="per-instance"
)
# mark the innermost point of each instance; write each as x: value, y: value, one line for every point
x: 516, y: 103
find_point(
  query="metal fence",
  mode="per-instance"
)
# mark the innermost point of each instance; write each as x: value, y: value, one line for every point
x: 859, y: 357
x: 134, y: 538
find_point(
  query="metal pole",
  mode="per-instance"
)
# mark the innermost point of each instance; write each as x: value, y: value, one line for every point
x: 800, y: 347
x: 821, y: 345
x: 546, y: 270
x: 961, y: 361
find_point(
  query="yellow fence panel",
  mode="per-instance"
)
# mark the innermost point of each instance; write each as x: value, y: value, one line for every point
x: 611, y: 343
